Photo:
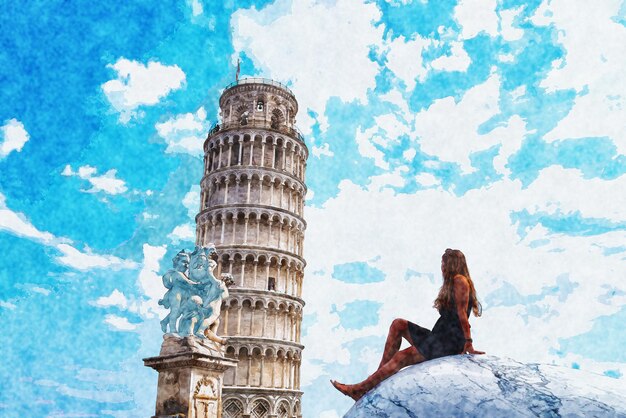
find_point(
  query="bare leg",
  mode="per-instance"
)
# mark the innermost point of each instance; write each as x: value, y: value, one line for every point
x: 400, y: 360
x: 399, y: 328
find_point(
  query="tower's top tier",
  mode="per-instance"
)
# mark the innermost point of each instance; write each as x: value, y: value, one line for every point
x: 258, y: 102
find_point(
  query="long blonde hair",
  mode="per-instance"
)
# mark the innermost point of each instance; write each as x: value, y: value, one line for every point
x: 453, y: 263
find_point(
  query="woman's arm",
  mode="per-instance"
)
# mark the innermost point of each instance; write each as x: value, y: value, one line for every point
x: 461, y: 296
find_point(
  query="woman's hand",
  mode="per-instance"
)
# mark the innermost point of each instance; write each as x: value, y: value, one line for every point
x: 469, y: 349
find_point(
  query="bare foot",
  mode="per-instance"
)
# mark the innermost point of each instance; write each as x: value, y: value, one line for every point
x: 347, y: 390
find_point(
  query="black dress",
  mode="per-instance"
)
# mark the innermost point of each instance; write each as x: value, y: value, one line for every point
x: 446, y: 338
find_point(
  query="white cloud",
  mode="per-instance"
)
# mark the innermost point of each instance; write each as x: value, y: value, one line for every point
x: 116, y: 298
x: 149, y: 216
x: 87, y: 260
x: 323, y: 150
x: 7, y: 305
x: 365, y: 142
x: 187, y: 231
x: 149, y: 280
x: 14, y: 136
x: 146, y: 305
x: 449, y: 130
x: 139, y: 84
x: 508, y: 30
x: 17, y: 224
x: 430, y: 220
x: 392, y: 128
x: 192, y: 201
x: 394, y: 97
x: 395, y: 178
x: 320, y: 49
x: 476, y: 16
x: 506, y: 58
x: 404, y: 59
x: 185, y: 133
x: 107, y: 182
x: 40, y: 290
x: 196, y: 8
x: 119, y: 323
x: 427, y: 180
x: 184, y: 232
x: 458, y: 60
x: 409, y: 154
x: 594, y: 65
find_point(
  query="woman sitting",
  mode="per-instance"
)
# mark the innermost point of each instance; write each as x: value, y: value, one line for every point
x: 450, y: 335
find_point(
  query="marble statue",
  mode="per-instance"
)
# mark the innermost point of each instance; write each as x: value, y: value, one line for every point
x: 179, y: 289
x: 209, y: 324
x: 194, y: 296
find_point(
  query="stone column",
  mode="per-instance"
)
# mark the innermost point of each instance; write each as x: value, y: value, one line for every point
x: 255, y: 263
x: 243, y: 272
x: 274, y: 361
x: 251, y: 149
x: 225, y: 315
x: 249, y: 368
x: 248, y: 192
x: 229, y: 153
x: 252, y: 310
x: 240, y: 156
x: 258, y: 228
x: 264, y: 320
x: 226, y: 191
x: 191, y: 376
x: 276, y: 314
x: 239, y: 309
x: 223, y: 229
x: 219, y: 160
x: 234, y: 227
x: 261, y: 382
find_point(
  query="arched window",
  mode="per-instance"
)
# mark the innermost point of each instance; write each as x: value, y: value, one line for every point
x: 283, y: 410
x: 260, y: 409
x: 233, y: 408
x: 277, y: 119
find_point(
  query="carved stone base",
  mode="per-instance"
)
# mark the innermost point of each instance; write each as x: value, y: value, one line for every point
x: 191, y: 374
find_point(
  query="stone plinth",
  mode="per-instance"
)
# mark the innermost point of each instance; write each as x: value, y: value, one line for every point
x: 190, y: 378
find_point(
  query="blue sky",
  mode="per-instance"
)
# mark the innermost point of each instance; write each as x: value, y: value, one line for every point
x: 496, y: 127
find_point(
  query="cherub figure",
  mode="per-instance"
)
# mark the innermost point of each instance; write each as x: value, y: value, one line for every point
x: 211, y: 290
x: 179, y: 289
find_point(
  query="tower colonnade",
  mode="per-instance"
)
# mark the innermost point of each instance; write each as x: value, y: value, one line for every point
x: 254, y: 149
x: 255, y: 226
x: 252, y: 209
x: 253, y: 186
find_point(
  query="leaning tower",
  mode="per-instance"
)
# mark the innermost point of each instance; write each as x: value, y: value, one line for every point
x: 252, y: 202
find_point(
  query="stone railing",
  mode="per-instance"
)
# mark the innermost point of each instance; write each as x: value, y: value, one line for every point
x: 259, y: 81
x: 293, y: 132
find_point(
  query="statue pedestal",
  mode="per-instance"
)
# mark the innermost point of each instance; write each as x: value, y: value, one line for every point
x: 191, y: 374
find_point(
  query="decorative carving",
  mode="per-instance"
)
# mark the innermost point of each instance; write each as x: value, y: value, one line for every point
x: 206, y: 387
